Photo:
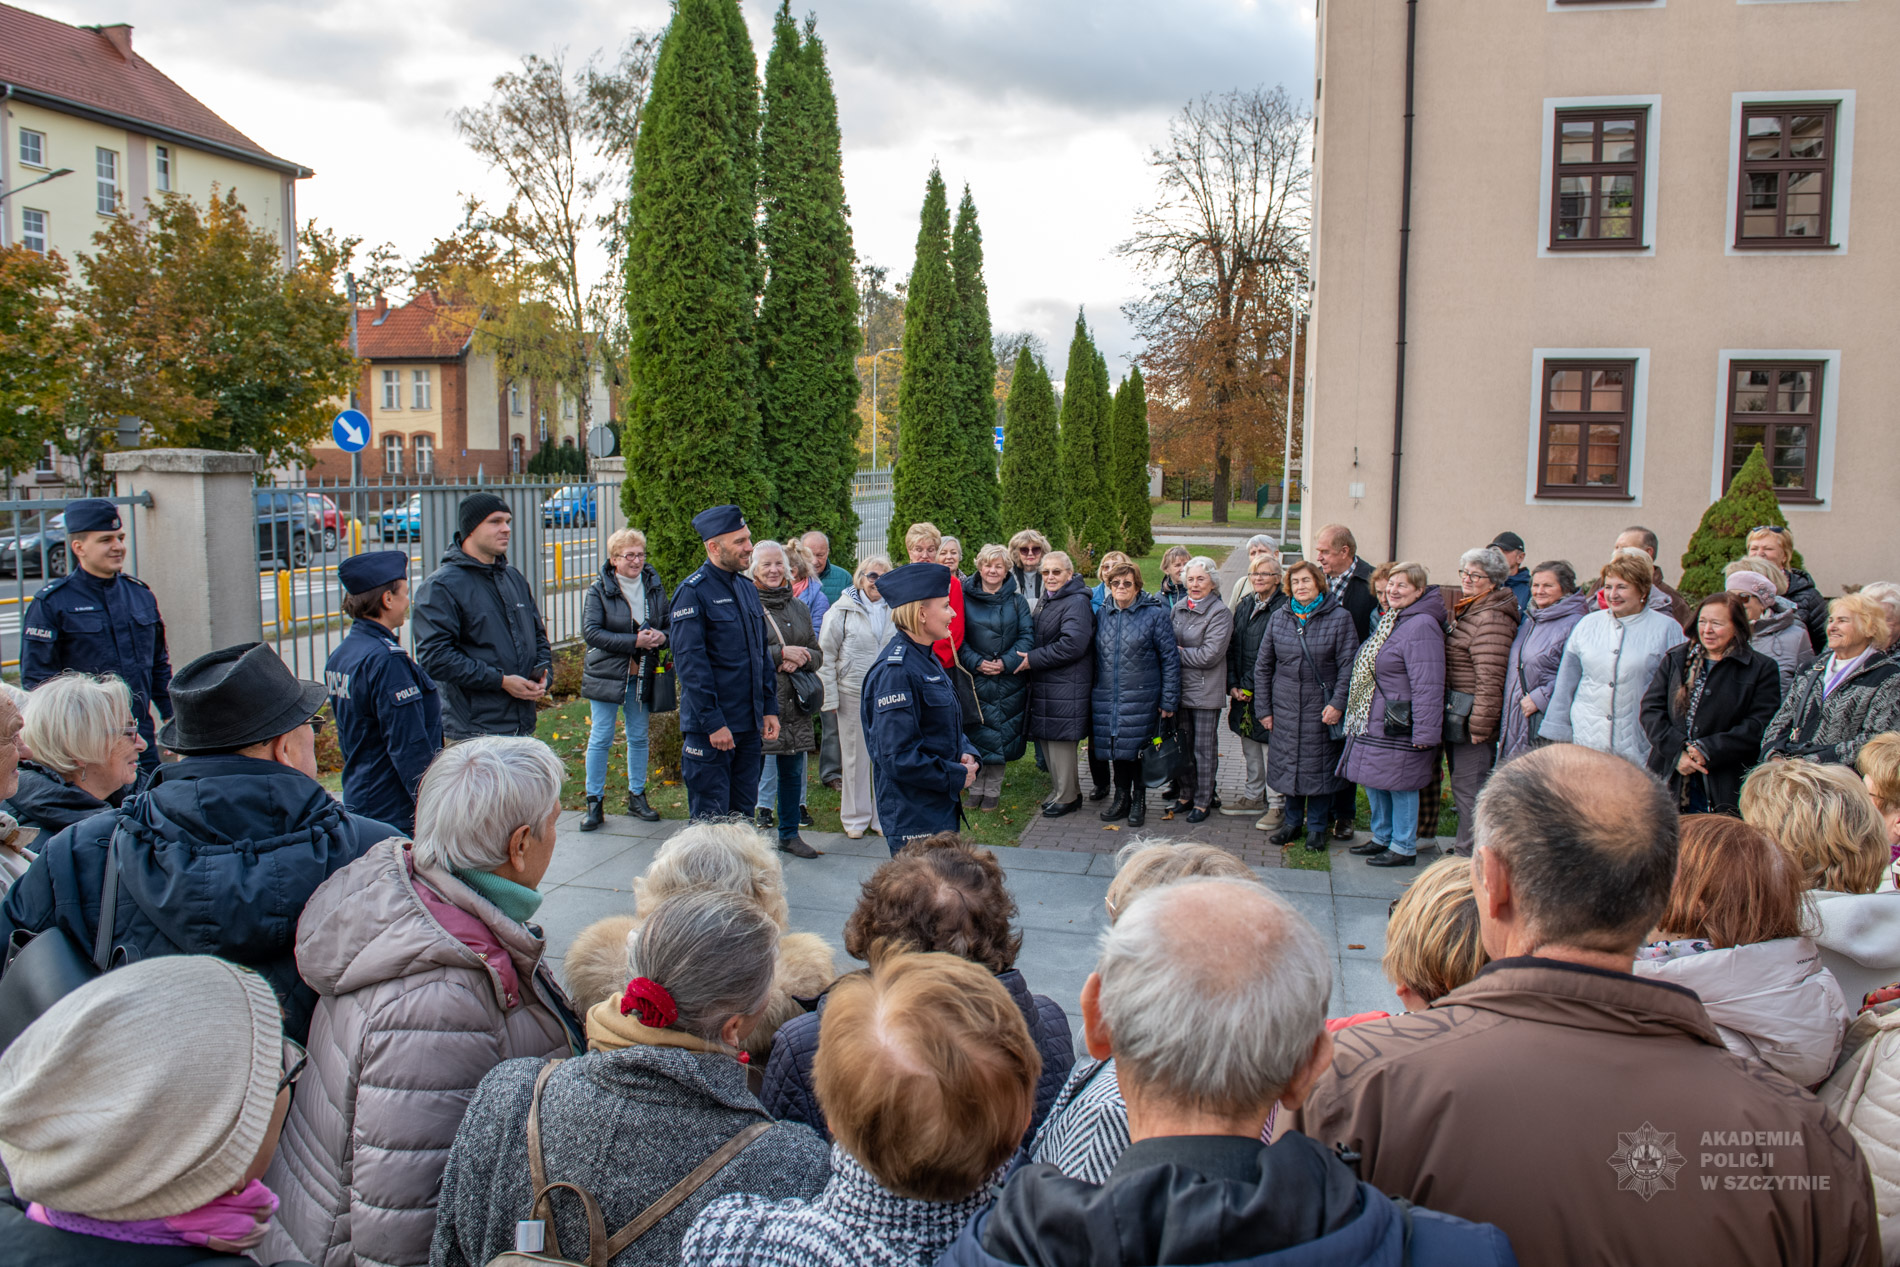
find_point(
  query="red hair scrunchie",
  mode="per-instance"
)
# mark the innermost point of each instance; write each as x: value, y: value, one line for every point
x: 650, y: 999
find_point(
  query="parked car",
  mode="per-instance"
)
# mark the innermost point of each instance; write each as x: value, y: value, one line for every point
x: 284, y: 528
x: 404, y: 522
x: 335, y: 522
x: 570, y: 507
x: 37, y: 546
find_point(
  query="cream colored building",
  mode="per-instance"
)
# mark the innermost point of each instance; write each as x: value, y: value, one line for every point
x: 1644, y: 235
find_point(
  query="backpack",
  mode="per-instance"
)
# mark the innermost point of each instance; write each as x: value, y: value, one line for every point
x: 535, y: 1234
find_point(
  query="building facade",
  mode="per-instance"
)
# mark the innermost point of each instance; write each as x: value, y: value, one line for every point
x: 1632, y: 256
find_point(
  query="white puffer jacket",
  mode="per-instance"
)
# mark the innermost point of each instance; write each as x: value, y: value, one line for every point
x: 1773, y: 1001
x: 1859, y: 937
x: 1865, y: 1094
x: 1597, y: 699
x: 850, y: 642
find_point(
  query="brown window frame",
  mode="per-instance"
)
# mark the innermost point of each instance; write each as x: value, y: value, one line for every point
x: 1559, y: 171
x: 1746, y: 167
x: 1771, y: 421
x: 1585, y: 418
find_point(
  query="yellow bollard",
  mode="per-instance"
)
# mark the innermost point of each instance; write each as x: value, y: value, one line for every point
x: 560, y: 572
x: 356, y: 536
x: 284, y: 612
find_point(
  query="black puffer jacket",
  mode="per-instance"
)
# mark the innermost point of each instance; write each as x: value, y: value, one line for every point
x: 1063, y: 664
x: 1250, y: 626
x: 1806, y: 597
x: 996, y: 627
x: 1137, y: 676
x: 607, y: 629
x: 476, y: 623
x: 49, y: 802
x: 788, y: 1094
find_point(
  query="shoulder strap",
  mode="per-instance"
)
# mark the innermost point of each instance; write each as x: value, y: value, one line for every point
x: 108, y: 907
x: 1325, y: 691
x: 680, y: 1191
x: 537, y: 1168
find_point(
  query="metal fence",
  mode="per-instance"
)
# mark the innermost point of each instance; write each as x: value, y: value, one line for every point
x: 33, y: 552
x: 871, y: 498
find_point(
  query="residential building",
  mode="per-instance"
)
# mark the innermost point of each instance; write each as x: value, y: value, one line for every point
x: 80, y: 98
x: 1629, y: 262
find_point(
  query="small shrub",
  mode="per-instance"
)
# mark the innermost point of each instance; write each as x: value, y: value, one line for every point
x: 1722, y: 537
x: 663, y: 746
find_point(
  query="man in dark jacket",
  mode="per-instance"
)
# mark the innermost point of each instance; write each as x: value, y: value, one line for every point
x: 220, y: 853
x: 1211, y: 997
x: 478, y: 632
x: 1511, y: 546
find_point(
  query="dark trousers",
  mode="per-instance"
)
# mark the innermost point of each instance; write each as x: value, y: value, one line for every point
x: 1127, y: 777
x: 1346, y: 804
x: 721, y: 781
x: 1314, y: 810
x: 830, y: 757
x: 1098, y: 769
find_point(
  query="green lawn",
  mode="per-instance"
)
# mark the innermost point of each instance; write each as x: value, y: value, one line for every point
x: 1167, y: 514
x: 1151, y: 565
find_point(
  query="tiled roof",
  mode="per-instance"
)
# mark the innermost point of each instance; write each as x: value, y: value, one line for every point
x: 421, y: 329
x: 84, y: 66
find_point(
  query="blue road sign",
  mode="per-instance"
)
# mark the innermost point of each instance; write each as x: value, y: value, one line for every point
x: 999, y: 439
x: 350, y: 430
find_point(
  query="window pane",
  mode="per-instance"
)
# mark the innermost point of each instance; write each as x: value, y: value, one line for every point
x: 1790, y: 458
x: 1764, y: 137
x: 1606, y: 445
x: 1606, y: 391
x: 1759, y: 205
x: 1751, y: 391
x: 1804, y: 205
x: 1618, y: 213
x: 1795, y: 394
x: 1560, y: 463
x: 1573, y: 207
x: 1579, y: 142
x: 1566, y: 391
x: 1619, y: 141
x: 1807, y: 136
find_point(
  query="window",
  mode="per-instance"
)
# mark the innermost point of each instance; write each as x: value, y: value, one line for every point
x: 567, y: 406
x: 1597, y: 201
x: 420, y: 388
x: 1776, y: 404
x: 33, y: 230
x: 165, y: 168
x: 425, y: 455
x: 392, y: 389
x: 1584, y: 436
x: 32, y: 148
x: 514, y: 398
x: 106, y: 168
x: 544, y: 426
x: 516, y: 447
x: 392, y: 455
x: 1787, y: 165
x: 47, y: 459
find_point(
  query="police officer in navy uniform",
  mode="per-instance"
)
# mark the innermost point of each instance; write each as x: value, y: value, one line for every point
x: 96, y: 619
x: 920, y: 761
x: 388, y: 716
x: 724, y: 662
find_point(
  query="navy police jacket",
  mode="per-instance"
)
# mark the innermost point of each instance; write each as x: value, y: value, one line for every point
x: 727, y: 679
x: 100, y: 626
x: 914, y: 729
x: 388, y: 723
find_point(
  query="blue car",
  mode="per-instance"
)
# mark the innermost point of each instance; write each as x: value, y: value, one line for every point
x: 404, y: 522
x: 570, y: 507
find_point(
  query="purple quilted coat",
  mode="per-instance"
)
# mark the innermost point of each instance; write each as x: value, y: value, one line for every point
x: 1532, y: 669
x: 1410, y: 666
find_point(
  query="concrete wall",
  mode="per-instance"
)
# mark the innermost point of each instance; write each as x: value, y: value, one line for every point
x: 1484, y: 300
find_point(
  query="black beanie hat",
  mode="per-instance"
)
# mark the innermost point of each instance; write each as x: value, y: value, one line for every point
x: 479, y: 506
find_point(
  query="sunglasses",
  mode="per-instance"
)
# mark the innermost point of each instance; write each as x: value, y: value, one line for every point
x: 1123, y: 584
x: 295, y: 1058
x: 1055, y: 571
x: 317, y: 723
x: 1774, y: 528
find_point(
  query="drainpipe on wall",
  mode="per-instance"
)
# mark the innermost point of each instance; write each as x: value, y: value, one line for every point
x: 1405, y: 258
x: 6, y: 155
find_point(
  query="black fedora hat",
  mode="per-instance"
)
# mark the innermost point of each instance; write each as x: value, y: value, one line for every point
x: 235, y: 697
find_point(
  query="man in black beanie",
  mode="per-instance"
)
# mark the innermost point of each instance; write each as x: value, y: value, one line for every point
x: 478, y: 632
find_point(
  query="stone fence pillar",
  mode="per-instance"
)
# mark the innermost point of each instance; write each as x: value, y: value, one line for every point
x: 197, y: 543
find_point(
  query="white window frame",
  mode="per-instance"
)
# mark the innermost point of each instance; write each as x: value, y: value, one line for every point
x: 39, y: 146
x: 1554, y: 7
x: 27, y: 235
x: 162, y: 163
x: 392, y: 389
x: 1639, y: 415
x: 392, y: 454
x: 514, y: 399
x: 424, y: 447
x: 1651, y: 104
x: 422, y: 389
x: 105, y: 184
x: 1824, y: 443
x: 1843, y: 182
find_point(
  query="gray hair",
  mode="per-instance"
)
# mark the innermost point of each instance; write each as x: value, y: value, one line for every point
x: 1261, y: 541
x: 1199, y: 563
x: 1561, y: 569
x: 74, y: 720
x: 865, y: 564
x: 1216, y: 1014
x: 729, y: 854
x: 14, y: 693
x: 758, y: 557
x: 476, y: 793
x: 1490, y: 560
x: 713, y: 951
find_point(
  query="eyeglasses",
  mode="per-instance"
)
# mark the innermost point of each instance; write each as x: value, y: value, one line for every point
x: 1123, y: 584
x: 295, y: 1058
x: 1028, y: 549
x: 129, y: 731
x: 631, y: 554
x: 317, y: 723
x: 1055, y: 571
x: 1473, y: 574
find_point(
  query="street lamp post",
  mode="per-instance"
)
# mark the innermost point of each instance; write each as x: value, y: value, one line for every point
x: 875, y: 362
x: 1286, y: 463
x: 8, y: 193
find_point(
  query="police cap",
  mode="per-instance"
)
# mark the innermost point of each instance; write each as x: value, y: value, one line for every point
x: 361, y: 573
x: 913, y: 583
x: 93, y: 514
x: 718, y: 521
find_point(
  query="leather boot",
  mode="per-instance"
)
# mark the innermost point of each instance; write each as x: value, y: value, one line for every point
x: 1138, y: 809
x: 1117, y: 808
x: 596, y: 813
x: 796, y: 846
x: 638, y: 807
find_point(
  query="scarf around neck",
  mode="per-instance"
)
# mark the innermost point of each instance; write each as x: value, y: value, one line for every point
x: 1303, y: 610
x: 516, y: 901
x: 609, y: 1030
x: 231, y: 1223
x: 1365, y: 678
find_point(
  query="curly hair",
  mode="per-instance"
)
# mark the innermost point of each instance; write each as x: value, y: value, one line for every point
x: 937, y: 894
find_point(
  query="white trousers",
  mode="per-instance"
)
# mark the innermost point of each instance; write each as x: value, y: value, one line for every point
x: 857, y: 803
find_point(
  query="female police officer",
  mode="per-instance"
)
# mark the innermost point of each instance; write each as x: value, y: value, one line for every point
x: 920, y: 762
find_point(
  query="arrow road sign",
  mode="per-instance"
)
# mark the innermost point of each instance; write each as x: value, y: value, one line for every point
x: 350, y: 430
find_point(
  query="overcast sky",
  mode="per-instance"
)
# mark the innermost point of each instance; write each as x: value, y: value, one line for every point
x: 1046, y: 108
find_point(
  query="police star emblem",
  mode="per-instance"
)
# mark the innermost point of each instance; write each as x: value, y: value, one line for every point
x: 1646, y: 1161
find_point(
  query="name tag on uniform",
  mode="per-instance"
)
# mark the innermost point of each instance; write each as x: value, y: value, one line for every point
x: 86, y: 609
x: 722, y: 600
x: 892, y: 701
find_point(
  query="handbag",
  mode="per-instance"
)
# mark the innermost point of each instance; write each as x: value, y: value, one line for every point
x: 43, y: 968
x: 538, y: 1229
x: 1240, y: 718
x: 807, y: 691
x: 1398, y: 719
x: 967, y: 702
x: 1458, y: 705
x: 1334, y: 730
x: 662, y: 688
x: 1162, y: 754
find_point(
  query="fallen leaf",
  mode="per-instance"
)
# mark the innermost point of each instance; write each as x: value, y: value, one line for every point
x: 1353, y: 945
x: 1111, y: 828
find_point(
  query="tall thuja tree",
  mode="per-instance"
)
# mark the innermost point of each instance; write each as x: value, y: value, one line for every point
x: 1131, y: 463
x: 1084, y: 526
x: 979, y: 508
x: 808, y: 321
x: 931, y: 455
x: 1030, y: 498
x: 1722, y: 536
x: 692, y: 287
x: 1109, y: 450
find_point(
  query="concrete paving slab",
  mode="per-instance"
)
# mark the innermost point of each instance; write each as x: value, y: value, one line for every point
x: 1288, y: 880
x: 1361, y: 921
x: 1353, y: 878
x: 1365, y: 989
x: 575, y: 854
x: 1014, y: 860
x: 1063, y: 903
x: 570, y: 908
x: 618, y: 872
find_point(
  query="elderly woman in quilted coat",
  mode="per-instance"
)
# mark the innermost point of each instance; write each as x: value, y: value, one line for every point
x: 428, y: 976
x: 1061, y: 669
x: 1299, y: 694
x: 997, y: 632
x: 1137, y: 683
x: 1481, y: 622
x: 1401, y: 663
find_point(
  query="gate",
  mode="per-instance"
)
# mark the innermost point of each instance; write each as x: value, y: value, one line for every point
x: 871, y: 498
x: 33, y: 552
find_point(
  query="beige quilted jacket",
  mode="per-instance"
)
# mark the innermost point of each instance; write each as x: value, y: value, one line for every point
x: 1865, y: 1094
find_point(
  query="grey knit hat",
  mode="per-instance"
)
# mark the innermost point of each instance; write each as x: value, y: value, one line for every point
x: 144, y: 1093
